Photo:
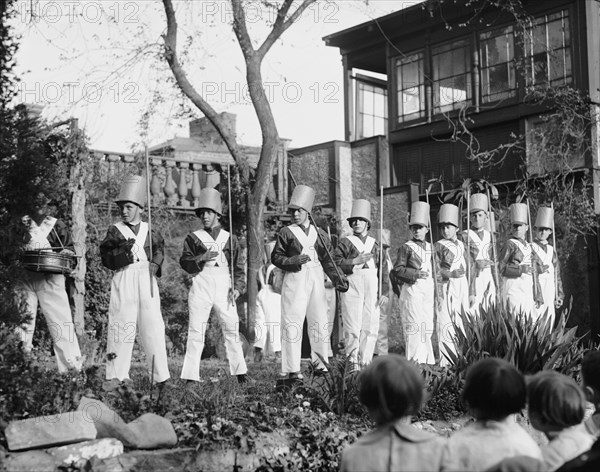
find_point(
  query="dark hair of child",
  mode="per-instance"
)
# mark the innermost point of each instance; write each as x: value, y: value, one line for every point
x: 494, y: 389
x: 556, y: 399
x: 391, y: 387
x: 590, y: 370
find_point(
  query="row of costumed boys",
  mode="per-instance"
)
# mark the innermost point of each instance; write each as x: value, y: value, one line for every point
x: 358, y: 268
x: 462, y: 262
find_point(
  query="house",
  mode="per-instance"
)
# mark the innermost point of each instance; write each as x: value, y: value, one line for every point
x: 415, y: 77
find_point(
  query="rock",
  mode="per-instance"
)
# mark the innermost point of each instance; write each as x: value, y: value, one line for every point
x: 38, y: 460
x: 79, y: 453
x: 73, y: 455
x: 152, y: 432
x: 455, y: 426
x: 108, y: 423
x: 52, y: 430
x: 176, y: 460
x: 149, y: 431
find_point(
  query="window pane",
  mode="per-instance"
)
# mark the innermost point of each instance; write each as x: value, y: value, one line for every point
x: 451, y: 80
x: 410, y: 75
x: 410, y: 78
x: 371, y: 110
x: 379, y: 108
x: 549, y: 50
x: 555, y: 35
x: 368, y: 101
x: 497, y: 68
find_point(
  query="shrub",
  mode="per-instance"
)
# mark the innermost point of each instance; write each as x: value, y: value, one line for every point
x: 530, y: 346
x: 337, y: 389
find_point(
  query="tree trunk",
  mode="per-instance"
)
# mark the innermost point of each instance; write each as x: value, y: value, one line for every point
x: 78, y: 230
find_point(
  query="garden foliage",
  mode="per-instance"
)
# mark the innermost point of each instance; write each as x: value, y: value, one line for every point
x: 530, y: 346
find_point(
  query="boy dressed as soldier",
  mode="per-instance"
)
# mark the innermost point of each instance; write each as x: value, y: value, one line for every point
x: 412, y: 277
x: 46, y: 234
x: 549, y: 278
x: 479, y: 239
x: 358, y: 256
x: 208, y: 255
x: 303, y: 255
x: 517, y: 265
x: 452, y: 259
x: 133, y: 304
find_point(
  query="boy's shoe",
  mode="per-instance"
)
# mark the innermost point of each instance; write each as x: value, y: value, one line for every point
x: 295, y: 376
x: 258, y: 354
x: 244, y: 379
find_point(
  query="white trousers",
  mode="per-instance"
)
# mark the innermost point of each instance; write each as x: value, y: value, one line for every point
x: 49, y: 291
x: 485, y: 291
x: 210, y: 288
x: 131, y: 309
x: 547, y: 284
x: 456, y: 299
x: 303, y: 296
x: 360, y: 315
x: 267, y: 327
x: 330, y: 295
x: 518, y: 294
x: 416, y: 311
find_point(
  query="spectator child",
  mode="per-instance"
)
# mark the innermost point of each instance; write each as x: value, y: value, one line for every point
x: 590, y: 372
x: 557, y: 408
x: 494, y: 391
x: 391, y: 388
x: 590, y: 459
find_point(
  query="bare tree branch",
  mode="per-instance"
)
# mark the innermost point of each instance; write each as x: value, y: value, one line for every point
x: 281, y: 23
x: 241, y: 29
x: 188, y: 89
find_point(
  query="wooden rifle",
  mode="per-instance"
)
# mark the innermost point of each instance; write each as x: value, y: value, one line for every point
x: 537, y: 292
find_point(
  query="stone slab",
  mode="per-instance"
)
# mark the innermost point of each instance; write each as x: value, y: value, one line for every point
x: 52, y: 459
x: 48, y: 431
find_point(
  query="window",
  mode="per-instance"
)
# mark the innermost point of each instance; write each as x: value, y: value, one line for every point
x: 496, y: 51
x: 371, y: 107
x: 451, y: 79
x: 548, y: 50
x: 411, y: 87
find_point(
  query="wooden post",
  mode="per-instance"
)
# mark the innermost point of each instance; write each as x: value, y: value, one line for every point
x: 77, y: 179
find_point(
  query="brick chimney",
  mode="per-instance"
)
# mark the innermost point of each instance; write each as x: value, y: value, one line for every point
x: 203, y: 130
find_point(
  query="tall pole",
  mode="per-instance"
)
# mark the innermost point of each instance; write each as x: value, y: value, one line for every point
x: 433, y: 268
x: 537, y: 298
x: 469, y: 234
x: 231, y: 298
x: 555, y: 251
x: 493, y: 240
x: 149, y: 198
x: 381, y: 242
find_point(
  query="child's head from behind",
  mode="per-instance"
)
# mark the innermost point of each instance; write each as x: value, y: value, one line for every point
x: 391, y: 387
x: 494, y: 389
x: 590, y: 371
x: 555, y: 401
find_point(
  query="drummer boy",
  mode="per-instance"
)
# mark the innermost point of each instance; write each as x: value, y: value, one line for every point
x: 42, y: 234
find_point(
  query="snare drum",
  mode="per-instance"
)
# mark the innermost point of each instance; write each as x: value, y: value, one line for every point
x: 48, y: 261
